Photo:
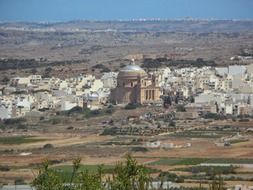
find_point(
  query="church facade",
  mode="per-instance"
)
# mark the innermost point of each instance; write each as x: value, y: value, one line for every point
x: 134, y: 85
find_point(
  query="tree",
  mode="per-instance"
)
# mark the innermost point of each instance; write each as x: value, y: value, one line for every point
x: 47, y: 146
x: 48, y: 179
x: 128, y: 175
x: 176, y: 100
x: 47, y: 72
x: 167, y: 101
x: 192, y: 99
x: 217, y: 183
x: 19, y: 181
x: 180, y: 108
x: 131, y: 106
x: 34, y: 71
x: 5, y: 79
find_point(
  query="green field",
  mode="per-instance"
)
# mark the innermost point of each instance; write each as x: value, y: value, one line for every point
x: 90, y: 168
x: 209, y: 169
x: 178, y: 161
x: 65, y: 171
x: 19, y: 140
x: 93, y: 168
x: 203, y: 134
x: 230, y: 161
x: 196, y: 161
x: 238, y: 141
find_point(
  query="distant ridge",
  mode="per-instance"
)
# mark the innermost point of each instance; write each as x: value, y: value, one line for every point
x: 135, y: 25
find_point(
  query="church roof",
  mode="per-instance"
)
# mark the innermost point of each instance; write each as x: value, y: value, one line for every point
x: 131, y: 68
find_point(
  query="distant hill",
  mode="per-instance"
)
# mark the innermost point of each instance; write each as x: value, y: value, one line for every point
x: 194, y: 26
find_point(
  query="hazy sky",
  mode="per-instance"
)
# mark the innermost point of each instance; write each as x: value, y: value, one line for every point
x: 64, y: 10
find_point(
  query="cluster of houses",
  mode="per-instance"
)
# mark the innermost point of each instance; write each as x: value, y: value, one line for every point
x: 33, y: 95
x: 226, y: 90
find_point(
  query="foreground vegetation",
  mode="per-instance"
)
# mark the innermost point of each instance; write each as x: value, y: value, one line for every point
x: 128, y: 175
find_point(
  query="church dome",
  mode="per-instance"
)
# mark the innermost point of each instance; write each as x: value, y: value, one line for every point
x: 132, y: 70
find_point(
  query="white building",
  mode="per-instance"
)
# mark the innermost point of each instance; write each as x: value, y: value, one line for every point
x: 153, y: 144
x: 243, y: 187
x: 109, y: 80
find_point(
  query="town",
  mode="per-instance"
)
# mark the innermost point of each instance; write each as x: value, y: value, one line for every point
x: 204, y: 91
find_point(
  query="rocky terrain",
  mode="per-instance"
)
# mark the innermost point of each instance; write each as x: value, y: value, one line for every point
x: 113, y: 43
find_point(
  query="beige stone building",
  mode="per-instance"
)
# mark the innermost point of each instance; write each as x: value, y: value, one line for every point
x: 134, y: 85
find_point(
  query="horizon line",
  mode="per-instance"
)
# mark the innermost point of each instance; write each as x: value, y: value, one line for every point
x: 127, y: 20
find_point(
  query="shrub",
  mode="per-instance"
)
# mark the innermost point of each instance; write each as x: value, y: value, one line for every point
x: 127, y: 175
x: 76, y: 109
x: 19, y: 181
x: 2, y: 126
x: 4, y: 168
x: 55, y: 121
x: 172, y: 124
x: 109, y: 110
x: 21, y: 126
x: 139, y: 149
x: 48, y: 69
x: 167, y: 176
x: 70, y: 128
x: 110, y: 131
x: 131, y: 106
x: 214, y: 116
x: 95, y: 112
x: 14, y: 121
x: 5, y: 79
x: 105, y: 70
x: 180, y: 108
x: 48, y: 146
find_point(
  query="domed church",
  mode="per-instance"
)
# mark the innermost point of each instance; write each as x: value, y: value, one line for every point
x: 134, y: 85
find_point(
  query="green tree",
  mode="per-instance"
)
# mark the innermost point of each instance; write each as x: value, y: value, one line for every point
x: 48, y: 179
x: 217, y: 183
x: 128, y: 175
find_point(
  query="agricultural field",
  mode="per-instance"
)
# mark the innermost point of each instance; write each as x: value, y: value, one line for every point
x: 15, y: 140
x: 73, y: 137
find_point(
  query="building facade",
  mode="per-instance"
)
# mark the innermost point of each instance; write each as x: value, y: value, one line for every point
x: 134, y: 85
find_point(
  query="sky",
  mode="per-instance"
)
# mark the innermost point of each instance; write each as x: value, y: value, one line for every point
x: 66, y: 10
